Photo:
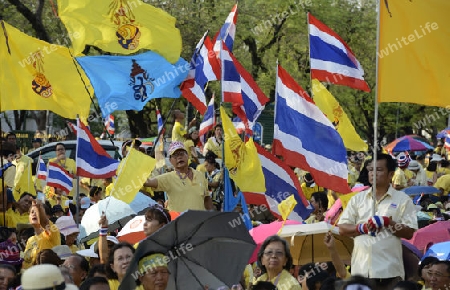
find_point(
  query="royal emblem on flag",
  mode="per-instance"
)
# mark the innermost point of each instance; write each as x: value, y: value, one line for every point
x: 141, y: 81
x: 40, y: 83
x: 128, y: 33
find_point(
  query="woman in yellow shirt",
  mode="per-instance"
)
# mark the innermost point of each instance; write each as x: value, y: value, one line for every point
x: 118, y: 262
x: 190, y: 144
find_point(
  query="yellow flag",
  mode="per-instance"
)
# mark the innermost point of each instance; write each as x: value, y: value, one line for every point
x: 287, y: 206
x: 37, y: 75
x: 131, y: 176
x: 334, y: 112
x: 242, y: 159
x: 413, y: 52
x: 120, y: 26
x: 345, y: 198
x: 23, y: 181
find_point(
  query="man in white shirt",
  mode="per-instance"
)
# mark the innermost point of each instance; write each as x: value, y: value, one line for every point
x: 377, y: 252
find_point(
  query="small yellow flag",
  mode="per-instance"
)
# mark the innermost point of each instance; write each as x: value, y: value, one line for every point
x: 413, y: 57
x: 242, y: 159
x: 334, y: 112
x: 287, y: 206
x: 120, y: 26
x: 345, y: 198
x: 132, y: 174
x: 23, y: 182
x: 37, y: 75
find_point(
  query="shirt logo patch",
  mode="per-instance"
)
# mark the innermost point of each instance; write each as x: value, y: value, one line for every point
x: 393, y: 205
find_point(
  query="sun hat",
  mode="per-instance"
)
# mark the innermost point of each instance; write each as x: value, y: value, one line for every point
x: 85, y: 202
x: 67, y: 225
x: 174, y: 146
x: 44, y: 276
x: 92, y: 252
x: 436, y: 157
x: 63, y: 251
x: 413, y: 165
x: 403, y: 160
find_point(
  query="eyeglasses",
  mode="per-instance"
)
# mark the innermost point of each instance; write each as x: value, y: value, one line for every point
x: 162, y: 272
x: 437, y: 275
x: 276, y: 253
x: 178, y: 153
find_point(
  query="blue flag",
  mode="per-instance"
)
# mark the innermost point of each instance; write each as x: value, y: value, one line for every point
x: 231, y: 202
x: 129, y: 82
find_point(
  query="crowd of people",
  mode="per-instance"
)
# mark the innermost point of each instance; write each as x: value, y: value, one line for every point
x: 40, y: 246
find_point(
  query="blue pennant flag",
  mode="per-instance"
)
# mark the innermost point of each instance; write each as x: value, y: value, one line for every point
x: 129, y: 82
x: 231, y: 202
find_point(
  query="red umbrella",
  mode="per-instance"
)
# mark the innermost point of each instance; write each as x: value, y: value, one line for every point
x: 261, y: 232
x: 432, y: 234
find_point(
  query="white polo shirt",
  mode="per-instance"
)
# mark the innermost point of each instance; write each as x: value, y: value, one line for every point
x: 381, y: 256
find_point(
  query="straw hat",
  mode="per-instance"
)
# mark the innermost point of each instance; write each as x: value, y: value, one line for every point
x: 44, y: 276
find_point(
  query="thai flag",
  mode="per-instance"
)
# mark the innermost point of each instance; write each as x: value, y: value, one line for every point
x: 58, y: 177
x: 204, y: 68
x: 332, y: 60
x: 227, y: 33
x: 447, y: 141
x: 281, y: 182
x: 305, y: 137
x: 160, y: 121
x: 208, y: 122
x: 240, y: 89
x: 41, y: 171
x: 92, y: 160
x: 239, y: 125
x: 109, y: 124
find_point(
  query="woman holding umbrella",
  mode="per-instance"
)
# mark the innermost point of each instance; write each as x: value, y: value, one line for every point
x: 276, y: 261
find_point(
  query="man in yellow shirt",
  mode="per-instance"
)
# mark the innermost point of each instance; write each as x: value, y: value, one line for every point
x: 8, y: 171
x: 67, y: 163
x: 21, y: 212
x: 46, y: 235
x: 178, y: 130
x: 186, y: 188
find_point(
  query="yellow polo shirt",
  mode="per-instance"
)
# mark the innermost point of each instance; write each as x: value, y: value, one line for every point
x: 13, y: 218
x: 399, y: 178
x: 48, y: 239
x: 178, y: 132
x: 444, y: 183
x: 214, y: 146
x: 183, y: 194
x: 285, y: 281
x: 379, y: 256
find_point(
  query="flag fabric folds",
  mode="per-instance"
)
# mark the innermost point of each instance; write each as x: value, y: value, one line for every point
x: 241, y: 90
x: 241, y: 159
x: 332, y: 60
x: 41, y: 172
x: 227, y: 32
x: 120, y: 26
x: 58, y: 177
x: 23, y: 181
x: 92, y: 160
x: 306, y: 138
x: 287, y: 206
x: 412, y: 63
x: 131, y: 176
x: 239, y: 125
x: 281, y: 183
x: 208, y: 123
x: 129, y: 82
x: 204, y: 68
x: 159, y: 120
x: 230, y: 202
x: 337, y: 116
x: 32, y: 77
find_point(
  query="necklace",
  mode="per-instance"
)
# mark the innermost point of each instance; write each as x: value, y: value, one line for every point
x: 183, y: 176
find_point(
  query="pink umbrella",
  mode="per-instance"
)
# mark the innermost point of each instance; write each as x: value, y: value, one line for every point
x: 260, y: 233
x: 432, y: 234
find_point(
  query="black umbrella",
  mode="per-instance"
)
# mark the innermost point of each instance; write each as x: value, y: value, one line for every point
x: 203, y: 248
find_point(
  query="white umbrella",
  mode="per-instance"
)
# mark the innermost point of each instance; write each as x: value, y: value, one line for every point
x: 141, y: 202
x: 114, y: 209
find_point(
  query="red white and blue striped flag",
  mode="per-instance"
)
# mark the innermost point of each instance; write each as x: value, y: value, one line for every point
x: 92, y: 160
x: 227, y: 33
x: 159, y: 120
x: 109, y: 124
x: 332, y: 60
x: 41, y: 171
x: 305, y: 137
x: 208, y: 123
x: 204, y: 68
x: 281, y: 182
x: 241, y: 90
x: 58, y: 177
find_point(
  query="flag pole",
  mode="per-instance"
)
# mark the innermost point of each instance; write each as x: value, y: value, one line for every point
x: 77, y: 195
x: 309, y: 55
x: 375, y: 120
x: 164, y: 124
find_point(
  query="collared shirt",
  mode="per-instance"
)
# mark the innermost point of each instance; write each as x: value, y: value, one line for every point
x: 400, y: 178
x: 379, y: 256
x: 214, y: 146
x: 285, y: 281
x: 13, y: 218
x: 183, y: 194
